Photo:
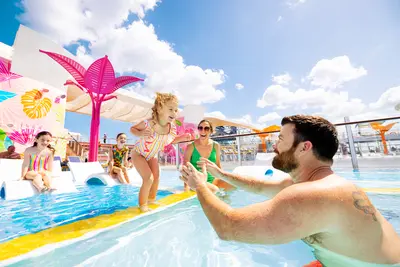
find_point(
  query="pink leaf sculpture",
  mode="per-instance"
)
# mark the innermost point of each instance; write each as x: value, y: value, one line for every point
x: 100, y: 76
x: 6, y: 75
x: 99, y: 82
x: 74, y: 68
x: 109, y: 97
x: 69, y: 82
x: 124, y: 80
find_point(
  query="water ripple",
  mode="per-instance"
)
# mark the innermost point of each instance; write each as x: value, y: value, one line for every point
x: 24, y: 216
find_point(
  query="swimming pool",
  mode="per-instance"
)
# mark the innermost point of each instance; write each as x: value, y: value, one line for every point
x: 178, y: 236
x: 30, y: 215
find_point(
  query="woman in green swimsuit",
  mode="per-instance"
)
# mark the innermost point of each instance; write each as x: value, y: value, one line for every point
x: 207, y: 148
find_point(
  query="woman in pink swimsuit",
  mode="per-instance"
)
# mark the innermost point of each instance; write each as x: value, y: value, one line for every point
x: 154, y: 135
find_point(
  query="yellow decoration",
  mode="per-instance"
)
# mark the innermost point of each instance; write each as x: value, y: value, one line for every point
x: 34, y: 105
x: 60, y: 113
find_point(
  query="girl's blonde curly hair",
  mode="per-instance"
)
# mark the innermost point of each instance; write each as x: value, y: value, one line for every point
x: 161, y: 100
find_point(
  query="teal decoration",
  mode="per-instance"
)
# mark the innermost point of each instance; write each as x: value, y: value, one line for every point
x: 4, y: 95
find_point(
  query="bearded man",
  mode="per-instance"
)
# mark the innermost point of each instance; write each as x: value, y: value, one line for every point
x: 326, y: 211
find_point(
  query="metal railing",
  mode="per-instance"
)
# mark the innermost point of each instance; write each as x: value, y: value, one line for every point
x: 75, y: 146
x: 356, y: 150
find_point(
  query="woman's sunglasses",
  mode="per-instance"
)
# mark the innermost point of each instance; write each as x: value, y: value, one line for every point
x: 200, y: 128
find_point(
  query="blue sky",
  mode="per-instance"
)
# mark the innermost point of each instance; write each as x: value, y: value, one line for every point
x: 332, y: 58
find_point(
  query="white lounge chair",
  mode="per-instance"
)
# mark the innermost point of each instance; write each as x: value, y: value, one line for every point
x: 264, y: 159
x: 12, y: 188
x: 261, y: 172
x: 92, y: 173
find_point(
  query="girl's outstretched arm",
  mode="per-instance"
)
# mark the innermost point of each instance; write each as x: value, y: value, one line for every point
x: 137, y: 129
x: 182, y: 138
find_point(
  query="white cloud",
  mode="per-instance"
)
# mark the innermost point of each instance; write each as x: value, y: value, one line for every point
x: 331, y: 105
x: 279, y: 19
x: 239, y: 86
x: 388, y: 100
x: 69, y: 21
x: 322, y: 101
x: 245, y: 119
x: 269, y: 117
x: 131, y: 46
x: 301, y: 99
x: 283, y: 79
x: 383, y: 107
x: 333, y: 73
x: 215, y: 114
x: 294, y: 3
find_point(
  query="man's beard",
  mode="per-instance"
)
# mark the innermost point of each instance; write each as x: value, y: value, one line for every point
x: 285, y: 161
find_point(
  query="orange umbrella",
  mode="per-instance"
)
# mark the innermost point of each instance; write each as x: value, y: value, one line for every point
x: 382, y: 129
x: 263, y: 136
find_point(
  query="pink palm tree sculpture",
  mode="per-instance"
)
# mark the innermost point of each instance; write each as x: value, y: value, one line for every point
x: 5, y: 74
x: 99, y: 82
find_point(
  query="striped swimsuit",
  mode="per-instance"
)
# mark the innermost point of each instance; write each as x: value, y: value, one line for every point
x: 148, y: 147
x: 38, y: 163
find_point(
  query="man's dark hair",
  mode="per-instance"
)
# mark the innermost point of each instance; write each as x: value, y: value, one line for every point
x: 319, y: 131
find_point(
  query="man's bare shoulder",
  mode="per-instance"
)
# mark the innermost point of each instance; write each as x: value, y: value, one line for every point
x: 331, y: 188
x: 342, y: 196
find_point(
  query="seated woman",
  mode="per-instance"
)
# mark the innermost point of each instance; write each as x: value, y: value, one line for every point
x: 118, y: 160
x: 38, y: 162
x: 10, y: 153
x: 206, y: 148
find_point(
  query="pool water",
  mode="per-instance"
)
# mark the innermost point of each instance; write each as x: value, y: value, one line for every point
x: 30, y: 215
x: 178, y: 236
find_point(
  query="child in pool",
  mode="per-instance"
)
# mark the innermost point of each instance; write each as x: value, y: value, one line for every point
x: 154, y: 135
x: 118, y: 160
x: 38, y: 162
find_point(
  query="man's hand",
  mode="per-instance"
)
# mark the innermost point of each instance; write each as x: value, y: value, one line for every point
x: 210, y: 167
x: 193, y: 177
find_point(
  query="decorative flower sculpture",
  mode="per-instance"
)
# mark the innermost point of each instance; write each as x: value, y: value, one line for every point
x: 99, y: 82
